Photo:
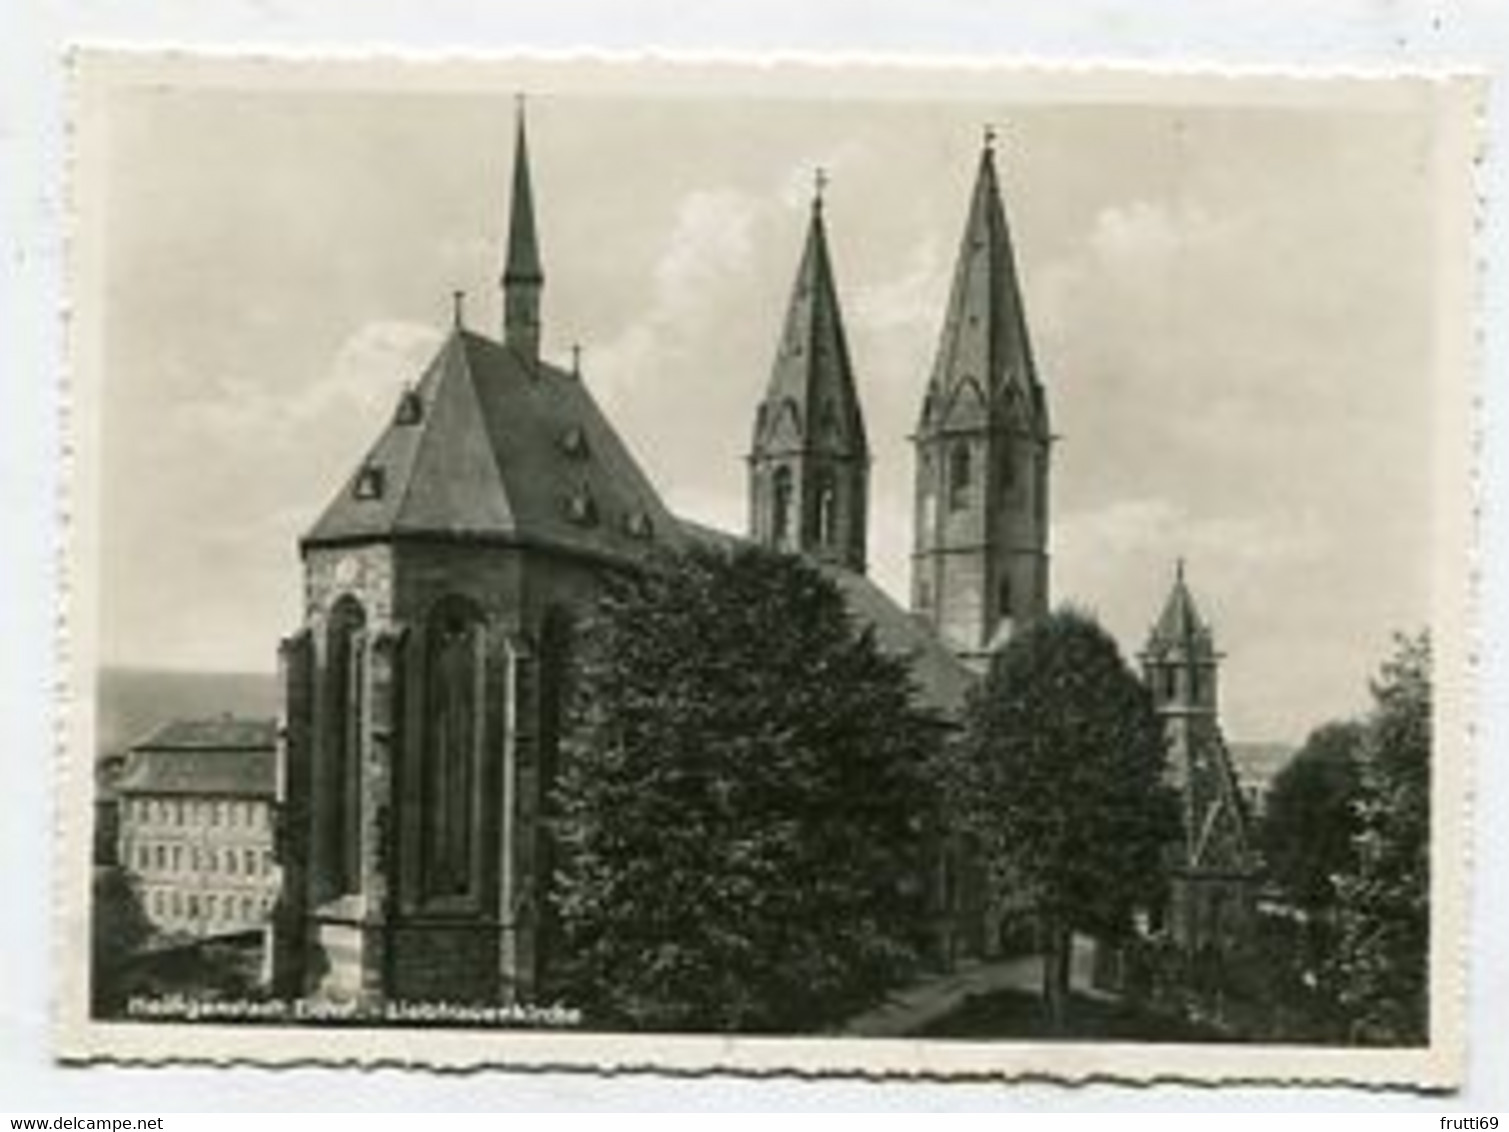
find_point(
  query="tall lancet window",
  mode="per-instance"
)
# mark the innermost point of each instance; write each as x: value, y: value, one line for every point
x: 780, y: 515
x: 346, y: 679
x: 929, y: 494
x: 959, y: 475
x: 453, y: 735
x: 827, y: 502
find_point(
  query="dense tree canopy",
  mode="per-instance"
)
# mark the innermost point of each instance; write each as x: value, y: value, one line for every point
x: 1310, y: 820
x: 1381, y: 964
x: 741, y: 805
x: 118, y: 928
x: 1059, y: 777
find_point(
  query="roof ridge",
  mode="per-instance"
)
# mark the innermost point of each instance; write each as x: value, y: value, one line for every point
x: 425, y: 420
x: 538, y: 367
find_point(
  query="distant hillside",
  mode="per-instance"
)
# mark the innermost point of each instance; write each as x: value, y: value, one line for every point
x: 1258, y: 764
x: 133, y: 701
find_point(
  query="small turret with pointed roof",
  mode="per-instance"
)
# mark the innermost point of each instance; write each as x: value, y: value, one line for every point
x: 1180, y: 659
x: 523, y: 274
x: 1212, y: 882
x: 980, y: 562
x: 809, y: 463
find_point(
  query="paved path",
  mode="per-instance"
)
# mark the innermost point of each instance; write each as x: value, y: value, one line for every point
x: 909, y: 1010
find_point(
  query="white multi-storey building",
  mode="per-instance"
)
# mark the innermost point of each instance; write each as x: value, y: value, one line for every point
x: 196, y: 825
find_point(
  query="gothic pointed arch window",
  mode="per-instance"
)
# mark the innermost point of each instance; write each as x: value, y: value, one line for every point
x: 928, y: 492
x: 346, y: 683
x: 450, y: 753
x: 781, y: 499
x: 960, y: 472
x: 827, y: 505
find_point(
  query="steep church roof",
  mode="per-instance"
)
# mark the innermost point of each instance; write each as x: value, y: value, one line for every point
x: 942, y: 680
x: 810, y: 401
x: 984, y: 368
x: 1180, y: 631
x: 492, y: 445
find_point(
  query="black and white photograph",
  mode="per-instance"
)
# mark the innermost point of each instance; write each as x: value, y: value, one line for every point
x: 803, y: 568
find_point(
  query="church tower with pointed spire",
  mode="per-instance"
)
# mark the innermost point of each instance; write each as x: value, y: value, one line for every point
x: 523, y: 275
x: 1213, y: 868
x: 980, y: 551
x: 423, y: 689
x: 809, y: 464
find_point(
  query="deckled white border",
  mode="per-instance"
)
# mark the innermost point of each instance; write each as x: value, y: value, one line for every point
x: 1457, y: 101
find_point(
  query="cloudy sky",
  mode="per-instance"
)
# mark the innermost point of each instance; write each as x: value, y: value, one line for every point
x: 1231, y: 306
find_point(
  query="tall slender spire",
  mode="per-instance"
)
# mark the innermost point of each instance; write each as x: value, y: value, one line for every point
x: 979, y: 561
x: 523, y: 275
x: 1180, y: 632
x: 809, y: 464
x: 985, y: 338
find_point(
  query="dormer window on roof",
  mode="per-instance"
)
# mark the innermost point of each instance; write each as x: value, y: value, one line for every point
x: 410, y: 408
x: 581, y: 508
x: 369, y: 482
x: 638, y: 525
x: 574, y: 442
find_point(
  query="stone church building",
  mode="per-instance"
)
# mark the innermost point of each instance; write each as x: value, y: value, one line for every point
x: 422, y: 693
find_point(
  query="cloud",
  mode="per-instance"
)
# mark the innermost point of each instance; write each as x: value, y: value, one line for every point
x: 1140, y: 530
x: 370, y: 367
x: 705, y: 256
x: 909, y: 302
x: 799, y: 180
x: 712, y: 236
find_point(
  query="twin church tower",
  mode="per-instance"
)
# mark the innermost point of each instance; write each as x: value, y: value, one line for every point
x: 446, y: 580
x: 979, y: 551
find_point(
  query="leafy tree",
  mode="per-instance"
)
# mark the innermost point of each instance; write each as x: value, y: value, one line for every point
x: 1310, y: 820
x: 1308, y: 840
x: 1384, y: 904
x: 1059, y: 778
x: 118, y: 928
x: 741, y: 804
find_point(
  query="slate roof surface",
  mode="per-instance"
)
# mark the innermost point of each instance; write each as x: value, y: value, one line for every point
x: 812, y: 373
x: 221, y: 757
x: 984, y: 348
x: 218, y: 733
x: 498, y: 446
x: 943, y: 681
x: 1180, y: 628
